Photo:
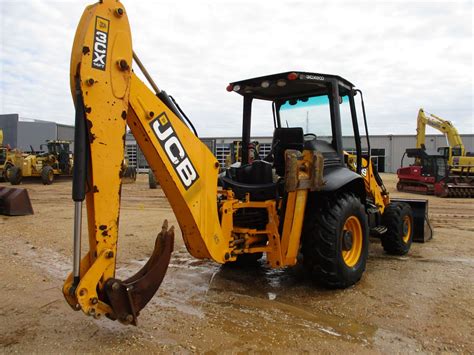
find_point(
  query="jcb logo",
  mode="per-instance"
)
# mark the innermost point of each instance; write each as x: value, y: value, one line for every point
x: 173, y: 148
x: 101, y: 37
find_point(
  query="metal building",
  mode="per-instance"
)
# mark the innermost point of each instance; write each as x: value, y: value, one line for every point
x: 386, y: 150
x: 27, y: 134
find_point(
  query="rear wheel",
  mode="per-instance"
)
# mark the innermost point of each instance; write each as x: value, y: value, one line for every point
x: 47, y: 175
x: 335, y: 241
x: 398, y: 218
x: 14, y: 175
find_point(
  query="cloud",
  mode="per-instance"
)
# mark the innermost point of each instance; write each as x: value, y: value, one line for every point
x: 403, y: 55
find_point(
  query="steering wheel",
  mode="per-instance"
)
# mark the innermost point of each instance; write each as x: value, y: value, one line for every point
x: 309, y: 136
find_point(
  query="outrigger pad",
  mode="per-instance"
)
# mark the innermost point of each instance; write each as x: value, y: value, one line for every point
x: 15, y: 202
x: 422, y: 229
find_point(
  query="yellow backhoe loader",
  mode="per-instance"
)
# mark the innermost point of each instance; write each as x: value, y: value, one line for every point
x: 306, y: 196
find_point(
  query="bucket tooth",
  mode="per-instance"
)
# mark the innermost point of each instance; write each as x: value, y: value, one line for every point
x: 15, y: 202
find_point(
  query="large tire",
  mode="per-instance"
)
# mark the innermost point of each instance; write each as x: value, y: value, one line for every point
x: 5, y: 172
x: 398, y: 218
x: 47, y: 175
x: 14, y: 175
x: 152, y: 180
x: 335, y: 241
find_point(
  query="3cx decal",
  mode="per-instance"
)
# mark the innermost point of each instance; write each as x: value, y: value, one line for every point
x: 101, y: 39
x: 173, y: 148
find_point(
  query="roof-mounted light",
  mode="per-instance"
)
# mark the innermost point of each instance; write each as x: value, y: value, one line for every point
x: 281, y: 83
x: 265, y: 84
x: 236, y: 88
x: 229, y: 87
x: 292, y: 76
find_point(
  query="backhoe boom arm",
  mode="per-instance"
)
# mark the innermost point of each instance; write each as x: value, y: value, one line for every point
x: 444, y: 126
x: 112, y: 98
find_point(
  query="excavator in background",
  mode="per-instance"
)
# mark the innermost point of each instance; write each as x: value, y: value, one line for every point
x: 13, y: 201
x: 306, y: 197
x: 449, y: 172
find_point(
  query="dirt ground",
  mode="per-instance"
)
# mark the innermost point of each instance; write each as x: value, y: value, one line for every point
x: 422, y: 302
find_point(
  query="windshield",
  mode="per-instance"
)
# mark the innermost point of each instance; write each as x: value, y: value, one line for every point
x: 312, y: 114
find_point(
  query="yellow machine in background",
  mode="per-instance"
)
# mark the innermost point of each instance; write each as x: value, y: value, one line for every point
x: 129, y: 173
x: 305, y: 197
x: 447, y: 173
x: 235, y: 154
x: 8, y: 158
x: 458, y: 159
x: 56, y: 160
x: 13, y: 201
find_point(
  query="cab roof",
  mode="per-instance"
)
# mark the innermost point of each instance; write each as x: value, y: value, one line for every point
x: 289, y: 84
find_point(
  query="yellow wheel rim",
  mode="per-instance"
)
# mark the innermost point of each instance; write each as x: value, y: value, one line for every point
x: 352, y: 228
x: 406, y: 229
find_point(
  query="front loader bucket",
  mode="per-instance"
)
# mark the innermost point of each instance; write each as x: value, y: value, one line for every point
x: 422, y: 229
x: 15, y: 202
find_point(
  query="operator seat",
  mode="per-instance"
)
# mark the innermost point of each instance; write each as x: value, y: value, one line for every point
x: 283, y: 139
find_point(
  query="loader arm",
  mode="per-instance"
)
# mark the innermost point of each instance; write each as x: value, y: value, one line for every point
x: 108, y: 96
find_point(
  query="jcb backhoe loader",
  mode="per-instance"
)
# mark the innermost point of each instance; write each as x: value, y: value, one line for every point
x: 306, y: 196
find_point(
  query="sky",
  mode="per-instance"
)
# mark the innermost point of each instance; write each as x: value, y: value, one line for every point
x: 402, y: 54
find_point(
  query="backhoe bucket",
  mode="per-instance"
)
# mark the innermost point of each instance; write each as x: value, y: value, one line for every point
x: 15, y: 202
x: 422, y: 229
x: 127, y: 298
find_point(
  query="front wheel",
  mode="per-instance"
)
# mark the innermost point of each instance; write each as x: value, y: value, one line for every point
x: 335, y: 241
x: 398, y: 218
x: 47, y: 175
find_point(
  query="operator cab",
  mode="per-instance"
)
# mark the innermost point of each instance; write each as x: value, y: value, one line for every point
x: 311, y: 111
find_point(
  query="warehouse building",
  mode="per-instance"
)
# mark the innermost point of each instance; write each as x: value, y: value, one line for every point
x: 27, y: 134
x: 386, y: 150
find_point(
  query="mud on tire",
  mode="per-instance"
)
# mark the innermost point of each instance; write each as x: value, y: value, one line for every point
x: 327, y: 247
x: 398, y: 218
